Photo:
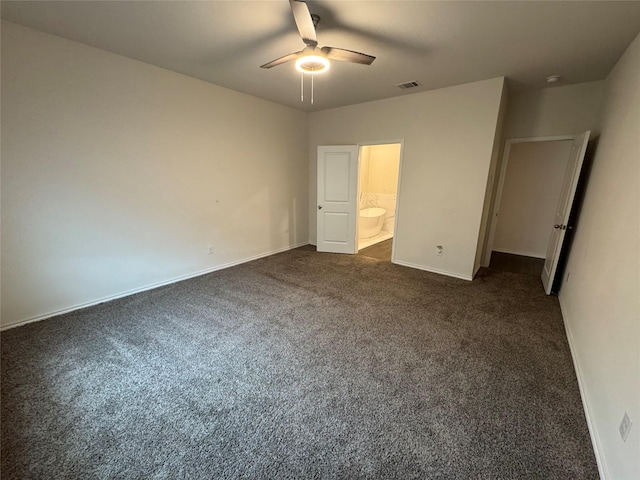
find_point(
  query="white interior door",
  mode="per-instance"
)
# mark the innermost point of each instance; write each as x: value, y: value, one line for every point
x: 337, y: 198
x: 559, y: 227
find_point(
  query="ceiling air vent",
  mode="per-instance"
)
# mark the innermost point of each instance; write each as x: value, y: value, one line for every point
x: 408, y: 85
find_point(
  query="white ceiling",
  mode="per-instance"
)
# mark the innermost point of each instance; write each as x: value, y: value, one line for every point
x: 437, y: 43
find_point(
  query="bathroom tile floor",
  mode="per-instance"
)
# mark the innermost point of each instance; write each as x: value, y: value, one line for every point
x: 380, y: 251
x: 381, y: 237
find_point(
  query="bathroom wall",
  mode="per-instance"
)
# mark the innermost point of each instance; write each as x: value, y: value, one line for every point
x: 379, y: 169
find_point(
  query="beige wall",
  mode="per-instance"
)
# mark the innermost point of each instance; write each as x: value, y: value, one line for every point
x: 448, y: 140
x: 600, y: 296
x: 491, y: 187
x: 565, y: 110
x: 530, y: 195
x: 118, y: 175
x: 553, y: 111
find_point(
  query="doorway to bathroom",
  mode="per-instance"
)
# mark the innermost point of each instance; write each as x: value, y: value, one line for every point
x: 378, y: 175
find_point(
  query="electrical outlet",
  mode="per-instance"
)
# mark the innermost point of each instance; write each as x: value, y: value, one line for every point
x: 439, y: 250
x: 625, y: 426
x: 210, y: 250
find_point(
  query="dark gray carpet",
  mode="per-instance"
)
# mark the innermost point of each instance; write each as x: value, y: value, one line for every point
x: 300, y: 365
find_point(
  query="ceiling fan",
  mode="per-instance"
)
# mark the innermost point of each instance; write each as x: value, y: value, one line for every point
x: 312, y: 59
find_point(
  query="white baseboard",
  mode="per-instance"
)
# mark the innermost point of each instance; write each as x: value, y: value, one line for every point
x: 593, y: 430
x: 524, y: 254
x: 108, y: 298
x: 433, y: 270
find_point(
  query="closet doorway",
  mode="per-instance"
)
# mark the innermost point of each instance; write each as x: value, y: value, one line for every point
x: 535, y: 194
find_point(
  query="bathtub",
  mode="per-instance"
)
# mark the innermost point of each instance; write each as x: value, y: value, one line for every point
x: 370, y: 221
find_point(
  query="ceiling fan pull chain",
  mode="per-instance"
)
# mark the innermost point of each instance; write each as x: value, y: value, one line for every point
x: 312, y: 89
x: 302, y: 87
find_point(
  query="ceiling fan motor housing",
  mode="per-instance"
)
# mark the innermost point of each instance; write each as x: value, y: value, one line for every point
x: 312, y: 59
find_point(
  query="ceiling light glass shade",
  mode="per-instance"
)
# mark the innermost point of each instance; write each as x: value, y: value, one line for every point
x: 312, y: 64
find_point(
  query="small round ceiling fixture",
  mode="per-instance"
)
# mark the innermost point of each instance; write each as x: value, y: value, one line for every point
x: 553, y: 79
x: 312, y: 64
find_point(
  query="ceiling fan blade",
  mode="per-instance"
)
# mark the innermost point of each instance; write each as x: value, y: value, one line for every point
x: 304, y: 22
x: 281, y: 60
x: 342, y: 55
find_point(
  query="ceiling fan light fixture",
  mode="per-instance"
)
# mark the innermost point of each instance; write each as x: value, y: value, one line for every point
x: 312, y: 64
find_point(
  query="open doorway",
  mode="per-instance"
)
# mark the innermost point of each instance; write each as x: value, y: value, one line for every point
x: 530, y: 195
x: 378, y: 174
x: 533, y: 205
x: 350, y: 191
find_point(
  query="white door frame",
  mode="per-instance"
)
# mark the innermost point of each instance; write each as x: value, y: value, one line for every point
x: 503, y: 173
x: 395, y: 222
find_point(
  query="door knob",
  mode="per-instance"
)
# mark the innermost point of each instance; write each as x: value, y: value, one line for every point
x: 319, y: 207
